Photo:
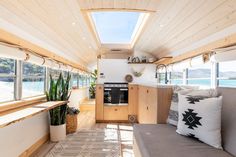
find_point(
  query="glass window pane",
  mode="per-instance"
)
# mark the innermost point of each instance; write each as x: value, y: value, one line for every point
x: 203, y: 82
x: 54, y: 73
x: 176, y: 82
x: 7, y: 66
x: 7, y: 85
x: 227, y: 74
x: 32, y: 87
x: 161, y: 78
x: 227, y: 83
x: 227, y: 70
x: 30, y: 69
x: 75, y: 80
x: 176, y: 75
x: 202, y: 71
x: 33, y: 80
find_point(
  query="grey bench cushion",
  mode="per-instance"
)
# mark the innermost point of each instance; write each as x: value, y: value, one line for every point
x: 161, y: 140
x: 229, y: 119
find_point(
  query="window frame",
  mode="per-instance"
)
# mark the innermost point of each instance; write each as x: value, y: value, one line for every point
x: 14, y: 76
x: 30, y: 76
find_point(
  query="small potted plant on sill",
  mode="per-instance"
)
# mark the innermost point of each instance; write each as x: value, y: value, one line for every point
x: 58, y: 91
x: 71, y: 120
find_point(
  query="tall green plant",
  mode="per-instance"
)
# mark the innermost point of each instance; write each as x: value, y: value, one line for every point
x: 93, y: 84
x: 58, y: 91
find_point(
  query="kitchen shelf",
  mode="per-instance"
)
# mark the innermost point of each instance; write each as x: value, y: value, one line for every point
x: 141, y: 63
x: 163, y: 60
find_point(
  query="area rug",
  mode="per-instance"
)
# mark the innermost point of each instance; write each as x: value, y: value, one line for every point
x: 89, y: 143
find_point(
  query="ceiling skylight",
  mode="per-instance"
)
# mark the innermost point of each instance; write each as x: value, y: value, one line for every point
x: 116, y: 27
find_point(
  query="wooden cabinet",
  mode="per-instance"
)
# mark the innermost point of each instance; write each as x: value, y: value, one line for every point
x: 99, y: 103
x: 133, y: 100
x: 153, y: 104
x: 116, y: 113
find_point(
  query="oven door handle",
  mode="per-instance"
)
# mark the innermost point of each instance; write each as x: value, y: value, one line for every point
x: 124, y: 89
x: 107, y: 89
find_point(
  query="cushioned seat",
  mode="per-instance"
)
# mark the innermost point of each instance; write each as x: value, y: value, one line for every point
x: 162, y: 141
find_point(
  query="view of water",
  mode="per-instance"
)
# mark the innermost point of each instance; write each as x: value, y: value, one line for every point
x: 30, y: 89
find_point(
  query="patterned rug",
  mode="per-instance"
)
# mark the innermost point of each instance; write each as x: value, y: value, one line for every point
x: 89, y: 143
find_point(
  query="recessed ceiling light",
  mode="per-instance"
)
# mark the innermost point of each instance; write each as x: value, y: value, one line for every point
x: 73, y: 23
x: 83, y: 38
x: 161, y: 25
x: 90, y: 47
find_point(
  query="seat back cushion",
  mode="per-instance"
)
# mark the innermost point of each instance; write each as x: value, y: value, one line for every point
x: 229, y: 119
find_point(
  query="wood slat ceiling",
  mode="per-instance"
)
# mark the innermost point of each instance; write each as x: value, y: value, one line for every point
x: 176, y: 24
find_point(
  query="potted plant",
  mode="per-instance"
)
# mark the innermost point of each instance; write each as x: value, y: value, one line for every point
x: 58, y: 91
x: 92, y: 87
x: 71, y: 120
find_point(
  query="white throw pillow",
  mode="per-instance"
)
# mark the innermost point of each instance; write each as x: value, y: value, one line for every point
x: 173, y: 113
x: 200, y: 118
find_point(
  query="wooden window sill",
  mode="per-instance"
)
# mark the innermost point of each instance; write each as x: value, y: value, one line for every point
x: 7, y: 118
x: 21, y: 103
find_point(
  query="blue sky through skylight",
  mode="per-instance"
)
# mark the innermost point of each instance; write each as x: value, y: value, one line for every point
x: 115, y: 27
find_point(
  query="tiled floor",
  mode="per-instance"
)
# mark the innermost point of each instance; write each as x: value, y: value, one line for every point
x: 86, y: 120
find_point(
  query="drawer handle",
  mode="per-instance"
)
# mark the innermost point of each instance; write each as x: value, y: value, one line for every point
x: 115, y: 109
x: 99, y: 87
x: 147, y: 107
x: 132, y: 88
x: 147, y: 91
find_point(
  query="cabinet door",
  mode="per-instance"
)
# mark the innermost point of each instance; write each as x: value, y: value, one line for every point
x: 133, y: 100
x: 152, y: 105
x: 142, y: 104
x: 116, y: 113
x: 99, y: 102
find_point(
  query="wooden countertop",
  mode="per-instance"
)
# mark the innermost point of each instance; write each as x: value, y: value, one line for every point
x: 13, y: 117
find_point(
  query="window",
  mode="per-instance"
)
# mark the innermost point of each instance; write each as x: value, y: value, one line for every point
x: 54, y: 73
x: 80, y: 80
x: 200, y: 75
x: 33, y: 80
x: 227, y: 74
x: 84, y: 81
x: 161, y: 77
x: 75, y: 80
x: 116, y: 27
x: 176, y: 77
x: 7, y: 79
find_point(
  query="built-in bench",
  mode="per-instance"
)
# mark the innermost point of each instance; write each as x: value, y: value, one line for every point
x: 161, y: 140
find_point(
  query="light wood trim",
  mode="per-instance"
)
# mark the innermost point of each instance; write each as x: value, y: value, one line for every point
x: 35, y: 146
x: 21, y: 103
x: 133, y: 100
x: 118, y: 9
x: 164, y: 96
x: 11, y: 38
x: 163, y: 59
x: 141, y: 28
x: 227, y: 41
x: 13, y: 117
x: 88, y: 19
x: 91, y: 26
x: 99, y: 105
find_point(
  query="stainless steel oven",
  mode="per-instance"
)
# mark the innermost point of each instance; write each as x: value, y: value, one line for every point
x: 115, y: 93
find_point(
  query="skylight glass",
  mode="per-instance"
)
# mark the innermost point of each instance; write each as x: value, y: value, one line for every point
x: 115, y: 27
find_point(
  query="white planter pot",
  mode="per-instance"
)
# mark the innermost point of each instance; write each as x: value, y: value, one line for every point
x: 57, y: 132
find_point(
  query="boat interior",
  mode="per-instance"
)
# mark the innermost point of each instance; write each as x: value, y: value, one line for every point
x: 118, y: 78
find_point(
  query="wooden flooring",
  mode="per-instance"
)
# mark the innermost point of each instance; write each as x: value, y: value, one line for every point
x: 86, y: 120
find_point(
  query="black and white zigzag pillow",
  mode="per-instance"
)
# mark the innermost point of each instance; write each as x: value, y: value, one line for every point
x: 200, y: 118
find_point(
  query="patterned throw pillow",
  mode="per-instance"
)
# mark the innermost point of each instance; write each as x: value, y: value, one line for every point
x: 200, y: 118
x: 186, y: 90
x: 173, y: 113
